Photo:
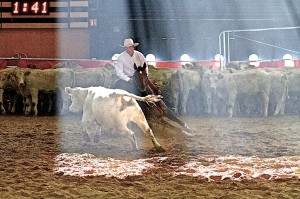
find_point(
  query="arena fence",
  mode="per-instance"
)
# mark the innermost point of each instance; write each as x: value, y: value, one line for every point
x: 22, y: 61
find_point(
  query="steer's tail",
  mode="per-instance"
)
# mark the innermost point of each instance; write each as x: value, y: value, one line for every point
x: 148, y: 98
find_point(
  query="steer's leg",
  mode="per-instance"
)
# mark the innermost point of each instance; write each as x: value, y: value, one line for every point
x: 134, y: 142
x: 265, y: 100
x: 85, y: 134
x: 278, y: 105
x: 97, y: 134
x: 282, y: 105
x: 34, y: 96
x: 130, y: 134
x: 50, y: 99
x: 230, y: 103
x: 91, y: 130
x: 185, y: 95
x: 141, y: 121
x: 2, y: 110
x: 65, y: 102
x: 175, y: 97
x: 14, y: 103
x: 175, y: 104
x: 208, y: 103
x: 87, y: 121
x: 11, y: 100
x: 27, y: 105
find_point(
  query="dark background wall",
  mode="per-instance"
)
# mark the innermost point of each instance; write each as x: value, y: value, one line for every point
x: 169, y: 28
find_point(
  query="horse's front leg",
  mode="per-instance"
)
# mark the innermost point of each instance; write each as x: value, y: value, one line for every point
x: 169, y: 114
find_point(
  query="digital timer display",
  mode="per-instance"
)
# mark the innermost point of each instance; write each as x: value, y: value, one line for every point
x: 28, y: 7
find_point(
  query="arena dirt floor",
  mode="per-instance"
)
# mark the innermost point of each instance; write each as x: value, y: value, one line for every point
x: 249, y: 157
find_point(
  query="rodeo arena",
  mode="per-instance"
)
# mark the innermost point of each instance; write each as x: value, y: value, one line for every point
x: 213, y: 111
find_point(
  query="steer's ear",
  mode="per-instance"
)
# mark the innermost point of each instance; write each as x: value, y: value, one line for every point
x: 67, y: 89
x: 135, y: 67
x: 6, y: 75
x: 26, y: 73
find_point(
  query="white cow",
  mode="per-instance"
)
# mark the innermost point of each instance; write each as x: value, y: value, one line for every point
x: 230, y: 86
x: 189, y: 80
x: 112, y: 108
x: 278, y: 90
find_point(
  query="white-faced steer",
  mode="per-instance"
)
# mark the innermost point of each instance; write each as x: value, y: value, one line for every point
x: 112, y: 108
x: 30, y: 82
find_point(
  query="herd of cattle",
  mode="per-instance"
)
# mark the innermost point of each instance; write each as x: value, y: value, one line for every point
x: 42, y: 91
x: 192, y: 89
x: 239, y: 90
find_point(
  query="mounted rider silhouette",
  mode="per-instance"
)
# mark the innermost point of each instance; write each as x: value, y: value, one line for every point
x: 125, y: 68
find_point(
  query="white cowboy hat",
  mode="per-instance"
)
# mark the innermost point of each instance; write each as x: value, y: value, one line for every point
x: 129, y: 42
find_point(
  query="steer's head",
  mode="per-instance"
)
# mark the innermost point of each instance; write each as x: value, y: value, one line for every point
x: 19, y: 77
x: 5, y: 80
x: 211, y: 77
x: 78, y: 96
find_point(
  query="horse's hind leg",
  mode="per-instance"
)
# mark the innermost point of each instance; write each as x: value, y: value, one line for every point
x: 169, y: 114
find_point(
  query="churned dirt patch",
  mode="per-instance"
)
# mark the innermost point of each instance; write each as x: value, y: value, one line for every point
x: 30, y: 148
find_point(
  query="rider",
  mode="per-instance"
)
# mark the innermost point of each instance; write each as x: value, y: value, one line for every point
x: 125, y: 62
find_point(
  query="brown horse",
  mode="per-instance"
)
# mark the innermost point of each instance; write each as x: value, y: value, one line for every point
x: 158, y: 109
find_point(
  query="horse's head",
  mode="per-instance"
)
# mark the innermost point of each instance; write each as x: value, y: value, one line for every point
x: 140, y: 77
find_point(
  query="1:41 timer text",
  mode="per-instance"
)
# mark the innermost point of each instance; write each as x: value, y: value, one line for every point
x: 30, y: 7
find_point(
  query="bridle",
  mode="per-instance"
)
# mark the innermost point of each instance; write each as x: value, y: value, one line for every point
x: 136, y: 80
